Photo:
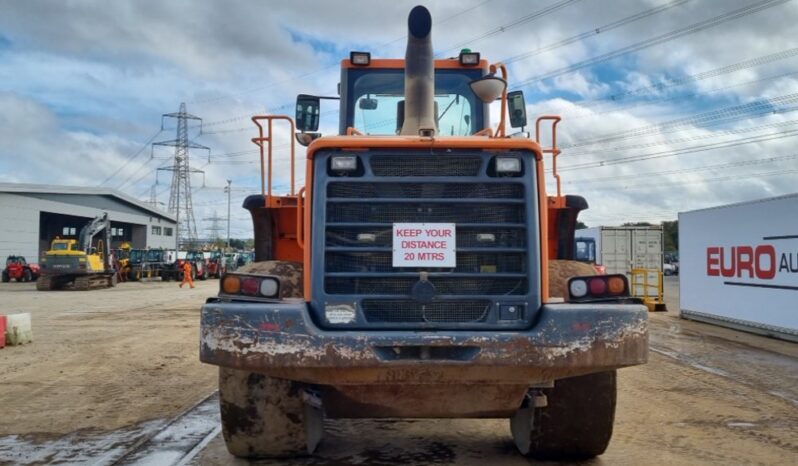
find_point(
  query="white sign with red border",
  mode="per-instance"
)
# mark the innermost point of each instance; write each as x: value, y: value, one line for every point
x: 424, y: 245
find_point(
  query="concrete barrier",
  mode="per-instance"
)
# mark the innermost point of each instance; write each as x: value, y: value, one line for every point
x: 3, y: 321
x: 18, y: 329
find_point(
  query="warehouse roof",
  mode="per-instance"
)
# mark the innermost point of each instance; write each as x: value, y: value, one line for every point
x: 44, y: 189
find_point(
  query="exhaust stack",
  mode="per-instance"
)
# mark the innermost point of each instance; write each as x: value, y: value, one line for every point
x: 419, y: 111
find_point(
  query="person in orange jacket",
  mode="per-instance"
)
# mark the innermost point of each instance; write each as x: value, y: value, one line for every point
x: 187, y: 275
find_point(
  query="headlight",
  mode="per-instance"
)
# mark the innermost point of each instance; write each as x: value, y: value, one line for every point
x: 360, y: 58
x: 578, y: 288
x: 469, y: 58
x: 268, y: 287
x: 343, y: 163
x: 505, y: 165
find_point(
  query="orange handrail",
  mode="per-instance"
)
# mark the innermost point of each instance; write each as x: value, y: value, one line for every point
x: 266, y: 181
x: 553, y: 150
x: 300, y: 231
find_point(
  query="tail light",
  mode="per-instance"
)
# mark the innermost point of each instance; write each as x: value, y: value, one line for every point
x: 246, y: 286
x: 597, y: 287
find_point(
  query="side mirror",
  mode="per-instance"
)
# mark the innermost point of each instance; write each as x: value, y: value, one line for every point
x: 307, y: 112
x: 488, y: 88
x: 517, y: 106
x: 368, y: 104
x: 306, y: 138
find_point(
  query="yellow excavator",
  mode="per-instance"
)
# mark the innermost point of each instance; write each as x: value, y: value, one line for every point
x: 81, y: 263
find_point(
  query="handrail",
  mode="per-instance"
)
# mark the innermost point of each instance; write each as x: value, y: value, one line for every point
x: 266, y: 181
x: 554, y: 150
x: 300, y: 227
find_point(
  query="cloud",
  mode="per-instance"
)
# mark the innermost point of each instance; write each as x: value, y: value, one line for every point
x: 84, y: 88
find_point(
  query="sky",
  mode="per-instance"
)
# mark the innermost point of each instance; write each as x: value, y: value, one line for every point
x: 667, y: 105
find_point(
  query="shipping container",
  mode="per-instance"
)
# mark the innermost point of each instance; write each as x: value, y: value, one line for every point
x: 621, y: 249
x: 739, y: 266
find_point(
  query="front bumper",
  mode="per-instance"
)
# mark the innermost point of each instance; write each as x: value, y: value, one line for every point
x: 282, y: 341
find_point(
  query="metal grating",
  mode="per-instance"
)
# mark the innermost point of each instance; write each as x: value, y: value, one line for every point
x: 381, y: 262
x: 425, y: 165
x: 431, y: 190
x: 425, y: 212
x: 467, y: 237
x: 482, y: 285
x: 407, y: 311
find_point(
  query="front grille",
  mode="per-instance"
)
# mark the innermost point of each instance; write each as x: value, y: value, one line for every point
x: 426, y: 190
x: 491, y: 217
x: 425, y: 165
x: 364, y: 212
x: 467, y: 237
x: 480, y: 286
x: 408, y: 311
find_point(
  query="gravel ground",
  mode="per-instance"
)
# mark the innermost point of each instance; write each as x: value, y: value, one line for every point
x: 109, y: 367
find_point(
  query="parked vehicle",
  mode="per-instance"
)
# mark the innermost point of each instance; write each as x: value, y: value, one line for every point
x: 82, y: 263
x: 17, y: 268
x: 411, y: 276
x: 216, y: 264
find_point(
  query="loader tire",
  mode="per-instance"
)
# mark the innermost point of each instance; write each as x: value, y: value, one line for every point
x: 262, y: 417
x: 578, y: 421
x: 6, y: 278
x: 27, y: 276
x: 265, y: 417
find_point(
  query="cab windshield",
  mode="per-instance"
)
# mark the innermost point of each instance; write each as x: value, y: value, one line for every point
x: 376, y: 97
x: 61, y: 246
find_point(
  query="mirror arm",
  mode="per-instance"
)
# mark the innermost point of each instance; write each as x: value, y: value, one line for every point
x: 501, y: 131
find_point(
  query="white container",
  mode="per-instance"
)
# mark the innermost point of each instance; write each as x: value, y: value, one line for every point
x: 621, y: 249
x: 738, y: 266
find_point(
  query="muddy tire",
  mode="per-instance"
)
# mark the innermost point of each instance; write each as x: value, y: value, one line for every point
x: 265, y: 417
x: 578, y: 421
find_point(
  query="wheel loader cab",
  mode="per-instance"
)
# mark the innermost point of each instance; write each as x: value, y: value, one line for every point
x: 372, y: 100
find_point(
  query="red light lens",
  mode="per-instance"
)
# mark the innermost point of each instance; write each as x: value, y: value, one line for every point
x: 250, y: 286
x: 598, y: 286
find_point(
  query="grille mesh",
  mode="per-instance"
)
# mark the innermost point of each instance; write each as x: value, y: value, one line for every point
x: 431, y: 190
x: 443, y: 286
x: 376, y: 262
x: 466, y: 237
x: 425, y: 165
x: 412, y: 311
x: 425, y: 212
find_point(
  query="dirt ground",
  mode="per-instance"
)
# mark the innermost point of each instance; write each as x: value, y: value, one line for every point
x: 111, y: 359
x: 102, y: 359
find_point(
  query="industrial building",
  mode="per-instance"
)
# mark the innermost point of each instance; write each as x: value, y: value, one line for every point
x: 31, y: 216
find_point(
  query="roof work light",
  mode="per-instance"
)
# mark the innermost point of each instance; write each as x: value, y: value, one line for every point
x: 360, y: 58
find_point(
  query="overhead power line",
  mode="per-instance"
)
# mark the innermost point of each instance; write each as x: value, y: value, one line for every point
x: 595, y: 31
x: 517, y: 22
x: 722, y: 166
x: 675, y: 34
x: 686, y: 150
x: 722, y: 114
x: 132, y: 156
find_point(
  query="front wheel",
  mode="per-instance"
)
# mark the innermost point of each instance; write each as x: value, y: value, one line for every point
x: 27, y: 276
x: 578, y: 419
x: 6, y: 278
x: 265, y: 417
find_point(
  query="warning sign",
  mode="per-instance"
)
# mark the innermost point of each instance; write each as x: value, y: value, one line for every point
x: 424, y: 245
